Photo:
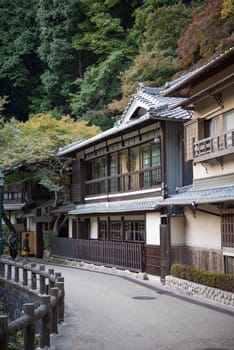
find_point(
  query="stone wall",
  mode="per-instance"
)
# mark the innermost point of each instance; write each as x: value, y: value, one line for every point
x: 14, y: 297
x: 200, y: 291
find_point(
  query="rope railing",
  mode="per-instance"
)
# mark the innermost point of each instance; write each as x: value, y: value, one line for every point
x: 48, y: 288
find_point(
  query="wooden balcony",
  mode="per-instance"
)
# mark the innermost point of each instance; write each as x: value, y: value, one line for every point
x: 131, y: 181
x: 213, y: 147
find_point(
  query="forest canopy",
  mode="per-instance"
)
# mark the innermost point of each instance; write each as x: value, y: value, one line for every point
x: 85, y: 58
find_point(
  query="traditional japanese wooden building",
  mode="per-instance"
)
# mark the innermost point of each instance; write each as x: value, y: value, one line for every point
x: 208, y: 204
x: 119, y: 179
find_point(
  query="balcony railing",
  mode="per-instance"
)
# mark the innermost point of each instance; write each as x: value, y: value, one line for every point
x: 212, y: 147
x: 131, y: 181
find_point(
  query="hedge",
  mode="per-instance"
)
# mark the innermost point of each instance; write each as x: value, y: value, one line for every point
x: 218, y: 280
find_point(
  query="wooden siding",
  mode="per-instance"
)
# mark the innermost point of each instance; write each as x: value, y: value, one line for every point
x: 152, y: 259
x: 78, y: 175
x: 173, y: 156
x: 207, y: 259
x: 109, y: 253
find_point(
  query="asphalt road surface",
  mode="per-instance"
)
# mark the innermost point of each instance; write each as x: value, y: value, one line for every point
x: 105, y: 312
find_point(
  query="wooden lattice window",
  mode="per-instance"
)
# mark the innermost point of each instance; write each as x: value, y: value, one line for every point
x: 116, y: 230
x: 228, y: 230
x: 134, y: 230
x: 102, y: 230
x: 190, y: 133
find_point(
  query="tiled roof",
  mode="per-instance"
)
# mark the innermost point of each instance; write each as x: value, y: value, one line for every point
x: 202, y: 196
x: 156, y: 105
x: 173, y: 86
x: 117, y: 207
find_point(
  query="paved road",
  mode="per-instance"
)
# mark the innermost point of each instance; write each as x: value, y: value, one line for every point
x: 105, y: 312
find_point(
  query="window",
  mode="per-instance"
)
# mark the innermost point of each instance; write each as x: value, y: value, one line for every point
x: 116, y: 230
x: 102, y: 230
x: 134, y: 230
x: 221, y: 124
x: 228, y: 121
x: 113, y: 172
x: 99, y: 168
x: 228, y: 230
x: 190, y: 134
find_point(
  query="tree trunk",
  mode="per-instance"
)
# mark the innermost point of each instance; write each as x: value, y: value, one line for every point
x: 7, y: 222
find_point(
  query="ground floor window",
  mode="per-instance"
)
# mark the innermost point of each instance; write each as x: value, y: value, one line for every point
x: 102, y: 230
x: 122, y: 230
x: 116, y: 231
x: 228, y: 230
x: 134, y: 230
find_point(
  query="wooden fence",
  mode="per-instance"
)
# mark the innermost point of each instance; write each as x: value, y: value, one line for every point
x: 48, y: 288
x: 110, y: 253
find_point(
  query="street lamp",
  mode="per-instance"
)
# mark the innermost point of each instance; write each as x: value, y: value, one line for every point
x: 1, y: 205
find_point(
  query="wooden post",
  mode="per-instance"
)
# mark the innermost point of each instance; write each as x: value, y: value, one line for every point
x: 42, y: 280
x: 60, y: 286
x: 45, y: 324
x: 25, y: 275
x: 16, y: 273
x: 33, y: 277
x: 51, y: 283
x: 4, y: 337
x: 54, y: 310
x: 2, y: 268
x: 29, y: 331
x: 9, y: 271
x: 57, y: 275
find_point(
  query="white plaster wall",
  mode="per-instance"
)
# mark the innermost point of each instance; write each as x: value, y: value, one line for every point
x: 202, y: 231
x: 213, y: 168
x: 153, y: 228
x: 31, y: 224
x: 70, y: 226
x: 177, y: 227
x: 93, y: 228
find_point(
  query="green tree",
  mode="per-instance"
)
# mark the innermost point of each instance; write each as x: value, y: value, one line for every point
x: 20, y: 67
x: 157, y: 59
x: 33, y: 152
x: 56, y: 22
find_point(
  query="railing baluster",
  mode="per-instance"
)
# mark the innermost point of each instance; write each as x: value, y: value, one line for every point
x: 42, y: 280
x: 33, y: 277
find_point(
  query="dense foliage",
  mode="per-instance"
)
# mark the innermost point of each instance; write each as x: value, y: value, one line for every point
x: 85, y: 58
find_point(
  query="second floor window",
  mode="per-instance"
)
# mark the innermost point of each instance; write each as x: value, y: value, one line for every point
x: 221, y: 124
x: 126, y: 170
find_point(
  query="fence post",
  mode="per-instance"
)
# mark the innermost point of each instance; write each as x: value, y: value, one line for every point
x: 42, y: 280
x: 60, y: 286
x: 54, y: 310
x: 2, y: 268
x: 4, y: 337
x: 16, y: 273
x: 29, y: 331
x: 45, y: 324
x: 51, y: 283
x: 33, y: 277
x: 25, y: 274
x: 9, y: 271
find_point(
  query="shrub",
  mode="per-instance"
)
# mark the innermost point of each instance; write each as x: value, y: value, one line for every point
x: 219, y: 280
